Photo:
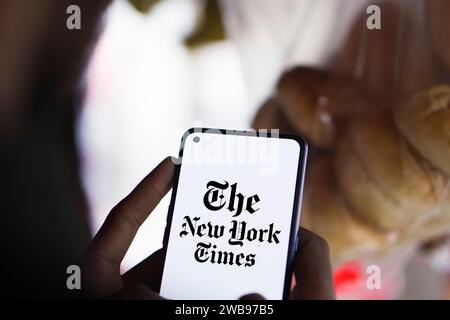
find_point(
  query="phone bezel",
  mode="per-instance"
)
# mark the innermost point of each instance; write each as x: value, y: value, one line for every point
x: 298, y: 195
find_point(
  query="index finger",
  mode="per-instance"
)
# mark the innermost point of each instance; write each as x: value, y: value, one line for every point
x: 312, y: 268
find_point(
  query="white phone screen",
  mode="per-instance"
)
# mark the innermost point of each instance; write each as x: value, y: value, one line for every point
x: 235, y: 213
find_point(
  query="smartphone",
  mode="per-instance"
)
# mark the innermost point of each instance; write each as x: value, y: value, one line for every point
x: 233, y: 220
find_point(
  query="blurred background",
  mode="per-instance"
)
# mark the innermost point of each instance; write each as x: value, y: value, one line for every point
x: 85, y: 114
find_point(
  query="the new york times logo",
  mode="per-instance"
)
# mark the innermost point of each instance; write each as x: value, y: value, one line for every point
x: 238, y: 232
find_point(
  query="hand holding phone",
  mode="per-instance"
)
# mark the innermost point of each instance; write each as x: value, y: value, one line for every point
x: 101, y: 262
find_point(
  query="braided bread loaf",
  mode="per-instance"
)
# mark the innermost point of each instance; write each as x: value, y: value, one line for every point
x: 386, y: 179
x: 379, y: 130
